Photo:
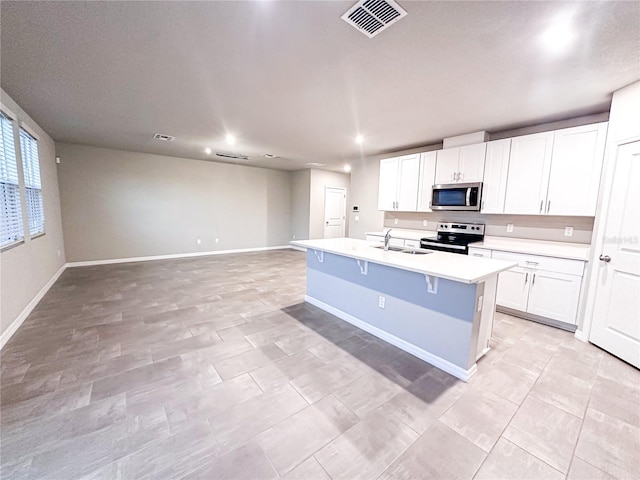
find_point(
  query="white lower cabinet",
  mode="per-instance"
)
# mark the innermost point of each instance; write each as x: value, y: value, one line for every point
x: 513, y: 288
x: 543, y: 286
x: 554, y: 295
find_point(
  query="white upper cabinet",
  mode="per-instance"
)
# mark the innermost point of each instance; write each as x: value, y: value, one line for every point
x: 447, y: 165
x: 576, y: 165
x: 398, y: 183
x: 471, y: 165
x: 496, y: 167
x: 388, y: 184
x: 460, y: 164
x: 427, y: 177
x: 556, y: 173
x: 528, y: 177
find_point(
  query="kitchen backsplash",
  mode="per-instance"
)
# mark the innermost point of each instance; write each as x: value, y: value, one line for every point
x: 524, y: 226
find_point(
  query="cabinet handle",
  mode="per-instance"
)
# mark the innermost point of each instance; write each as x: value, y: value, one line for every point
x: 526, y: 278
x: 548, y: 206
x: 541, y: 203
x: 605, y: 258
x: 460, y: 175
x: 533, y: 281
x: 482, y: 205
x: 453, y: 176
x: 477, y: 255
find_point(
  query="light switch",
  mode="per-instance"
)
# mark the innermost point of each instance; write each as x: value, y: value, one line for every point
x: 509, y: 227
x: 357, y: 218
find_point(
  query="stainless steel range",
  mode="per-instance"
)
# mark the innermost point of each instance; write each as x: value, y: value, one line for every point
x: 454, y: 237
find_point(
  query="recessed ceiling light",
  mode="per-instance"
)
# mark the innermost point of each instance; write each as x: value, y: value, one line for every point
x: 207, y: 151
x: 347, y: 168
x: 230, y: 139
x: 316, y: 164
x: 559, y: 36
x: 359, y: 139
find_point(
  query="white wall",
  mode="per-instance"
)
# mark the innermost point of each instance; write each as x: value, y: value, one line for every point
x: 320, y: 179
x: 300, y: 191
x: 120, y: 204
x: 26, y: 268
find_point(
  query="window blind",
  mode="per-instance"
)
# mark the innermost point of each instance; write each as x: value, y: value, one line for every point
x: 32, y: 183
x: 11, y: 229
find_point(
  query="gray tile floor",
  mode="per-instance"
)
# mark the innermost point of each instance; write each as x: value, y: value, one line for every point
x: 214, y: 367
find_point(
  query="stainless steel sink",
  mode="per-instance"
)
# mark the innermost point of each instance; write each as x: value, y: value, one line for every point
x: 391, y: 249
x: 410, y: 251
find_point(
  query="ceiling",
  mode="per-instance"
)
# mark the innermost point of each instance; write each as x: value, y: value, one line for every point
x: 290, y: 78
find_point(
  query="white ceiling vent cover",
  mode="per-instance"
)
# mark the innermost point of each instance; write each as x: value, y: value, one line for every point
x: 373, y: 16
x: 166, y: 138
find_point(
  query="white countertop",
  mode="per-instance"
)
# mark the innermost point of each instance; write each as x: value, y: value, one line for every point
x: 406, y: 234
x: 456, y: 267
x: 574, y: 251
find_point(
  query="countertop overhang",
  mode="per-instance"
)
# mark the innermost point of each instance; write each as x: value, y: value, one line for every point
x: 451, y: 266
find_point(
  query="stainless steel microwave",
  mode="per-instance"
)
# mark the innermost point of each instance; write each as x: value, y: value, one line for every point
x: 456, y: 196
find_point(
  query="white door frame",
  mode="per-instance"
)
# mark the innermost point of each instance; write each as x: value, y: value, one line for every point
x: 344, y: 212
x: 597, y: 240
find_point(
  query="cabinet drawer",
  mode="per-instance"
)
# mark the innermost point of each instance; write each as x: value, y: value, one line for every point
x: 395, y: 242
x: 412, y: 243
x: 374, y: 239
x: 479, y: 252
x: 550, y: 264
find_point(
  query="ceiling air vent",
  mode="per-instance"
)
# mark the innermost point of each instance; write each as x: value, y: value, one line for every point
x: 232, y: 155
x: 373, y: 16
x: 166, y: 138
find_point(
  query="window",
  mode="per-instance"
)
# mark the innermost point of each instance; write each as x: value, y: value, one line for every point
x: 11, y: 229
x: 32, y: 183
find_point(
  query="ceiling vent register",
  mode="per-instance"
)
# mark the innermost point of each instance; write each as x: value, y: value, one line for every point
x: 232, y: 155
x: 166, y: 138
x: 373, y: 16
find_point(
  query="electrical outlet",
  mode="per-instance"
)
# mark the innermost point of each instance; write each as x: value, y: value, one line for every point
x: 58, y: 252
x: 381, y: 301
x: 509, y: 227
x: 395, y: 221
x: 425, y: 223
x: 357, y: 218
x: 568, y: 231
x: 198, y: 241
x: 217, y: 240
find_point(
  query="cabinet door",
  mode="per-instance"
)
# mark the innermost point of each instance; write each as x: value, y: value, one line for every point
x: 513, y: 288
x: 496, y: 167
x: 447, y: 165
x: 554, y: 295
x: 427, y: 177
x: 576, y: 164
x: 388, y: 184
x: 528, y: 176
x: 409, y: 175
x: 479, y: 252
x: 471, y: 162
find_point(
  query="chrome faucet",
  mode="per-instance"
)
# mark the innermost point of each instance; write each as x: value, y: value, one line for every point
x: 387, y: 237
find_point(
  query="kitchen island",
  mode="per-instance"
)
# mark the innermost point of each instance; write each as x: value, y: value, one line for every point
x: 437, y: 306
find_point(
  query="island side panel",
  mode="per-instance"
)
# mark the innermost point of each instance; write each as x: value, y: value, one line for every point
x: 441, y: 328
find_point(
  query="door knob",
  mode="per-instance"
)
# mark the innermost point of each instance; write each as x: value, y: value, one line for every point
x: 605, y: 258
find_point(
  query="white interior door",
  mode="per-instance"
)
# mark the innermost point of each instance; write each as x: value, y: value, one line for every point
x: 616, y: 315
x: 335, y: 204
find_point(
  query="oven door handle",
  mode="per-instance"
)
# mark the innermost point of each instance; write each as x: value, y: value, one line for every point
x: 445, y: 245
x: 468, y: 196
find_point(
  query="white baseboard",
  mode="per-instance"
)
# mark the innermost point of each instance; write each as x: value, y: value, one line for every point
x: 8, y: 333
x: 430, y: 358
x: 175, y: 255
x: 581, y: 336
x: 295, y: 247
